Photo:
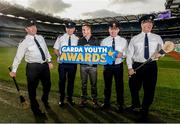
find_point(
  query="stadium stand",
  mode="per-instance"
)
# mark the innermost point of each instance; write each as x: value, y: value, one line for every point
x: 9, y: 41
x: 12, y: 18
x: 173, y: 6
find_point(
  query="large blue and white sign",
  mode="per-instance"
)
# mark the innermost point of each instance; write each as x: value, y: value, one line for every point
x: 87, y: 55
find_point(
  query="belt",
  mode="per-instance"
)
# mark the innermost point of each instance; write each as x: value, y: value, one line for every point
x: 113, y: 65
x: 37, y: 63
x: 147, y: 63
x: 90, y: 65
x: 67, y: 64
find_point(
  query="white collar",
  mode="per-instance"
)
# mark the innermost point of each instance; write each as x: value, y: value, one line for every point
x: 31, y: 36
x: 145, y: 33
x: 67, y: 35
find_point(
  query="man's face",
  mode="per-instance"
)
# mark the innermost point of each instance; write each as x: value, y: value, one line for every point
x: 86, y: 31
x: 70, y: 31
x: 32, y: 30
x: 146, y: 26
x: 113, y: 31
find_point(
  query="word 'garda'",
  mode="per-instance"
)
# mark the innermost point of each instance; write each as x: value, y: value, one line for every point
x: 87, y: 55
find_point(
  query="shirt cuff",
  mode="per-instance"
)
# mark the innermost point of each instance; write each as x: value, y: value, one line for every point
x: 129, y: 66
x: 49, y: 60
x: 14, y: 69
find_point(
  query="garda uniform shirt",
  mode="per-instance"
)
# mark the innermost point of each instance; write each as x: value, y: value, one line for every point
x: 30, y: 50
x: 135, y: 51
x: 63, y: 41
x: 120, y: 45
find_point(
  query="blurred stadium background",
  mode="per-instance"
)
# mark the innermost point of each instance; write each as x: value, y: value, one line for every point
x: 167, y: 24
x: 12, y: 17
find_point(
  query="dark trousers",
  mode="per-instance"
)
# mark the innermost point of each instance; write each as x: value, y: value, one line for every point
x: 146, y: 77
x: 117, y: 72
x: 34, y: 73
x: 90, y: 71
x: 69, y: 71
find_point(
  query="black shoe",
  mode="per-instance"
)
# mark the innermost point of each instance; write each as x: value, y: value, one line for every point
x: 61, y: 104
x: 144, y: 113
x: 132, y: 108
x: 95, y: 104
x: 105, y: 106
x: 40, y: 115
x: 83, y: 103
x: 120, y: 108
x: 71, y: 102
x: 144, y: 116
x: 43, y: 116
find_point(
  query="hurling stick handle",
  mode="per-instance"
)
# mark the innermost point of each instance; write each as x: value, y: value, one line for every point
x: 14, y: 79
x: 149, y: 60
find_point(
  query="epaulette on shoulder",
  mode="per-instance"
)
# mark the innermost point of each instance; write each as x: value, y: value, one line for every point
x: 20, y: 42
x: 59, y: 36
x: 41, y: 36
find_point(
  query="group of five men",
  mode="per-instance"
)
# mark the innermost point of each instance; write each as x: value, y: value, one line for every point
x: 140, y: 48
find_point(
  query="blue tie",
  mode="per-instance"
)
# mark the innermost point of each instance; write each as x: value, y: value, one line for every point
x: 69, y: 41
x: 40, y: 49
x: 146, y: 47
x: 113, y: 44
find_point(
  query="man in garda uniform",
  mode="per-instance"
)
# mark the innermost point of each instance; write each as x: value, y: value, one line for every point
x: 116, y: 69
x: 88, y: 70
x: 66, y: 69
x: 142, y: 47
x: 38, y: 59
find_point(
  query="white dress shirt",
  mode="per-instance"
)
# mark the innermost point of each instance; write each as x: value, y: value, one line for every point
x: 30, y: 50
x: 135, y: 51
x: 63, y: 41
x: 120, y: 45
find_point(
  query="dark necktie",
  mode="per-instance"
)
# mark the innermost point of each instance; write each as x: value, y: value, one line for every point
x: 69, y: 41
x: 113, y: 44
x: 40, y: 49
x: 146, y: 47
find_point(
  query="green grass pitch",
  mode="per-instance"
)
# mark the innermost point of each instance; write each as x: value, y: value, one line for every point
x: 165, y: 108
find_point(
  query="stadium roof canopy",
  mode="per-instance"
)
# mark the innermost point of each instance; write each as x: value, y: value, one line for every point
x: 173, y: 6
x: 24, y: 13
x: 106, y: 20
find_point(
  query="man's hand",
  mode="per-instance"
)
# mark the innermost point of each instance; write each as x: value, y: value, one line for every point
x: 157, y: 55
x: 50, y: 65
x: 12, y: 74
x: 119, y: 55
x: 131, y: 72
x: 56, y: 52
